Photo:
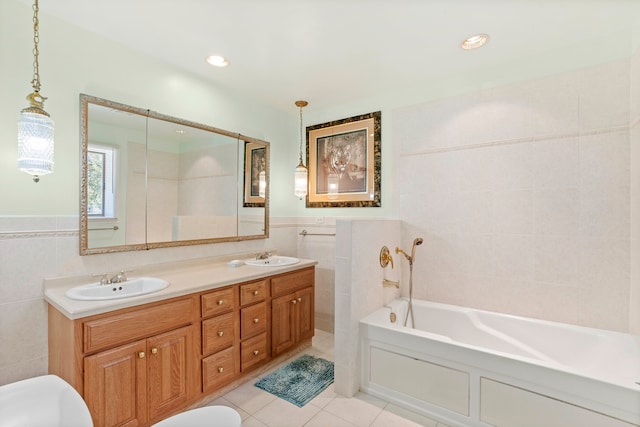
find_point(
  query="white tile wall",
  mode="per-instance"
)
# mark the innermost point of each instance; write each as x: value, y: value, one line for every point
x: 524, y: 196
x: 635, y: 195
x: 34, y: 248
x: 359, y: 288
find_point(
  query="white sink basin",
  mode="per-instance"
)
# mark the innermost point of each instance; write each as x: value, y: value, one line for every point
x: 272, y: 261
x: 126, y: 289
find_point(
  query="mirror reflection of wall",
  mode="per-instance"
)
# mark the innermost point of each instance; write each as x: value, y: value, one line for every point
x: 152, y: 181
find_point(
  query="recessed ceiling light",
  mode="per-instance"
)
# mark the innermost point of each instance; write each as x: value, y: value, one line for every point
x: 474, y: 41
x: 217, y: 61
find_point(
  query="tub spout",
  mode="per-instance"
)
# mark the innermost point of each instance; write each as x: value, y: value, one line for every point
x: 391, y: 283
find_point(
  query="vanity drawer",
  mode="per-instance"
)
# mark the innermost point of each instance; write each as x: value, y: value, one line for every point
x: 217, y: 333
x: 121, y: 328
x: 291, y: 282
x: 218, y: 302
x: 254, y: 351
x: 253, y: 292
x: 218, y: 369
x: 253, y: 320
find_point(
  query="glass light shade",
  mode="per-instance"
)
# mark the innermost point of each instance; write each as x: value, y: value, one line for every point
x: 35, y: 143
x: 301, y: 177
x: 262, y: 183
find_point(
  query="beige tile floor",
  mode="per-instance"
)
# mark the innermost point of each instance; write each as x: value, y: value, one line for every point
x: 261, y: 409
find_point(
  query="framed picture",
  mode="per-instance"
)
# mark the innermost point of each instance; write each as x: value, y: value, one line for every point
x: 343, y: 158
x: 255, y: 162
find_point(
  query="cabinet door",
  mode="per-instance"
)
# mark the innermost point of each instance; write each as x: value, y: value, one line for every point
x: 115, y: 384
x: 305, y: 314
x: 282, y: 330
x: 168, y: 371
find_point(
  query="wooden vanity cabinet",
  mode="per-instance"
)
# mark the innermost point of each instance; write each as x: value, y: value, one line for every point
x: 144, y: 380
x: 133, y: 366
x: 292, y: 310
x: 220, y: 330
x: 138, y: 365
x: 254, y: 321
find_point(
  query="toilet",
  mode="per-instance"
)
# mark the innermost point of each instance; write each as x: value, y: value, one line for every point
x: 207, y: 416
x: 48, y: 401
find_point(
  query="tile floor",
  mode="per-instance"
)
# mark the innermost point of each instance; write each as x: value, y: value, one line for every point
x: 261, y: 409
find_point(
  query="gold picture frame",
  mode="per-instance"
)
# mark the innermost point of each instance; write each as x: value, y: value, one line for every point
x: 344, y: 160
x: 255, y: 161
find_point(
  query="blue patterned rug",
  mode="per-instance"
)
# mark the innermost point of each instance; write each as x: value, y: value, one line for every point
x: 299, y: 381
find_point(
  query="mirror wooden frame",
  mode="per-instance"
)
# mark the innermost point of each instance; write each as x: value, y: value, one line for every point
x: 85, y: 100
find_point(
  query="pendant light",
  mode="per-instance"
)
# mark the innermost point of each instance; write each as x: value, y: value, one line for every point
x: 35, y: 127
x: 301, y: 174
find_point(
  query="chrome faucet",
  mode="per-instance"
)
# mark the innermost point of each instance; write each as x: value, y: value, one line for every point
x: 263, y: 255
x: 119, y: 278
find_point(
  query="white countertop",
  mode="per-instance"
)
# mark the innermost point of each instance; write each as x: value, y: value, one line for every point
x: 184, y: 278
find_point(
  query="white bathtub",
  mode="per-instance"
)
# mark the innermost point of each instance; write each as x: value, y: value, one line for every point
x: 469, y: 367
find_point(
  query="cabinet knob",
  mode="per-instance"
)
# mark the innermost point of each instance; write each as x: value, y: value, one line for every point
x: 220, y: 333
x: 255, y: 293
x: 256, y: 352
x: 154, y: 350
x: 220, y: 302
x: 256, y: 320
x: 295, y: 301
x: 221, y: 369
x: 141, y: 355
x: 300, y: 299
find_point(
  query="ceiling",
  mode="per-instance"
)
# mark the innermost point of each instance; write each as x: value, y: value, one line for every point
x: 332, y: 52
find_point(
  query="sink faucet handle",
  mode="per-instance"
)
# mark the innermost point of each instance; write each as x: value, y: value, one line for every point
x: 103, y: 278
x: 120, y: 277
x: 263, y: 255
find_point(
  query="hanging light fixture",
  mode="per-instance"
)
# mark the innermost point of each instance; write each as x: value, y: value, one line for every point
x: 301, y: 174
x: 35, y: 127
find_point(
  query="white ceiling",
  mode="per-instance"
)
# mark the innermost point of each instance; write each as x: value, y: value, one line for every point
x: 331, y: 52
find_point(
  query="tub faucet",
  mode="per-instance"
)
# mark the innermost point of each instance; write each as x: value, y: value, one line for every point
x: 416, y: 242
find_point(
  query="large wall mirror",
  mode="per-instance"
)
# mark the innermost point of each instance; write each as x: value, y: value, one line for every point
x: 149, y: 181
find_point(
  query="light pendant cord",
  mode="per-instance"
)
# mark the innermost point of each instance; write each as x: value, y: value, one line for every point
x: 35, y: 83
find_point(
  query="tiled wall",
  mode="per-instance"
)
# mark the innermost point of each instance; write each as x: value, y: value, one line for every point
x: 635, y: 195
x: 522, y: 194
x: 359, y: 289
x: 34, y: 248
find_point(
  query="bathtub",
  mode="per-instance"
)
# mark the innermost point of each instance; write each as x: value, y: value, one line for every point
x: 467, y: 367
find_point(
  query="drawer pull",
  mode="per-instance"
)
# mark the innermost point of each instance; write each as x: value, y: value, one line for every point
x: 141, y: 355
x: 154, y: 350
x: 220, y: 302
x: 255, y: 293
x: 221, y: 369
x: 256, y: 352
x: 295, y: 301
x: 256, y: 320
x: 220, y: 333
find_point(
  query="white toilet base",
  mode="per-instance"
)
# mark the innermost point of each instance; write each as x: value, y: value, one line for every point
x: 207, y: 416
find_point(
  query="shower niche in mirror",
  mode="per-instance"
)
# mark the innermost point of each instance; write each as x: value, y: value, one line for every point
x: 149, y: 181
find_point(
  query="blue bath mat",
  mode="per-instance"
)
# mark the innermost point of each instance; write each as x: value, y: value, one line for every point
x: 299, y: 381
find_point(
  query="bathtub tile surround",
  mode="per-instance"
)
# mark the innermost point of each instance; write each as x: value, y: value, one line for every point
x: 635, y: 192
x: 359, y: 288
x: 528, y: 196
